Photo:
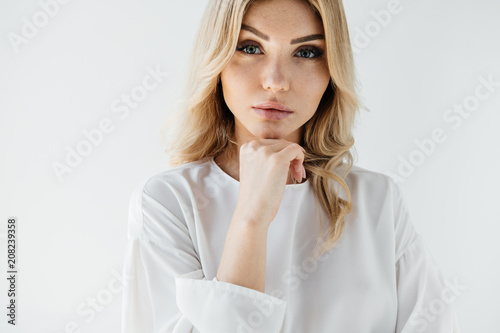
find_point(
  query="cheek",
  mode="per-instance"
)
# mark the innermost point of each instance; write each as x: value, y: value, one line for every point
x: 235, y: 82
x: 312, y: 83
x: 236, y: 78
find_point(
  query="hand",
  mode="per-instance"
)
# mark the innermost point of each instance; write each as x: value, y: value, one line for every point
x: 264, y: 168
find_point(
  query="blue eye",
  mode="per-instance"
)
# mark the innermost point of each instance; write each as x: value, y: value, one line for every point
x: 307, y: 52
x: 310, y: 53
x: 250, y: 48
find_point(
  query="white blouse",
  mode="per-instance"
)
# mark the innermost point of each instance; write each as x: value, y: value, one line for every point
x: 380, y: 278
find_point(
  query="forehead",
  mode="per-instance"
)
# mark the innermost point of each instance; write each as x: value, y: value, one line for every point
x: 283, y: 18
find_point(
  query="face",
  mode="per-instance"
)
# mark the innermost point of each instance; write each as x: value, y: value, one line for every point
x: 275, y: 63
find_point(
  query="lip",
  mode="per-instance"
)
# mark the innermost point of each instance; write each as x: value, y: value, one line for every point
x: 273, y: 105
x: 272, y: 110
x: 271, y: 113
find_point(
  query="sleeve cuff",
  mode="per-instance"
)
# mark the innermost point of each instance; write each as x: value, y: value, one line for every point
x: 425, y: 297
x: 216, y: 306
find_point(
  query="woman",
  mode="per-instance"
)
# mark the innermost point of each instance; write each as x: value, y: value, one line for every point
x: 233, y: 237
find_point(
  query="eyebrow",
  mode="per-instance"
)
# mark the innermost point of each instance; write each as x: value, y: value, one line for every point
x: 293, y: 41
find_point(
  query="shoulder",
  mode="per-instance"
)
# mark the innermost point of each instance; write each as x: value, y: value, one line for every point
x: 175, y: 178
x: 377, y: 192
x: 164, y: 196
x: 370, y: 182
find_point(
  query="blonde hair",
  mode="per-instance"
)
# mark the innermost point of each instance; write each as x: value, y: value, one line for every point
x: 206, y: 126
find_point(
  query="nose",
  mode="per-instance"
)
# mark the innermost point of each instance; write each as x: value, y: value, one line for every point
x: 275, y: 76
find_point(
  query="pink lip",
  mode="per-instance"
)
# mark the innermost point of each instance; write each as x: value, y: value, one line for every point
x: 271, y: 113
x: 272, y: 105
x: 272, y: 110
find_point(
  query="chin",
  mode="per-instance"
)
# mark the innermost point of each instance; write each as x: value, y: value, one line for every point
x: 270, y: 134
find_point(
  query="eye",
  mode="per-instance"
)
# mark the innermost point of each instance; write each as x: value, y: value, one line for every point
x: 310, y: 53
x: 307, y: 52
x: 248, y: 49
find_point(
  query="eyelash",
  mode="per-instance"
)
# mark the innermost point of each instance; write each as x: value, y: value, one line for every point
x: 317, y: 52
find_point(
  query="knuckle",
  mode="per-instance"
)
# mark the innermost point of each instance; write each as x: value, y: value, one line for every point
x: 275, y: 159
x: 253, y: 144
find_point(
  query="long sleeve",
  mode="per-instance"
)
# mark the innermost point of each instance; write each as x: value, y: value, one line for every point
x: 169, y: 291
x: 425, y: 299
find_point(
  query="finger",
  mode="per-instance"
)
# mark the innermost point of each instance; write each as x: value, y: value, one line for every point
x: 295, y: 155
x: 277, y: 144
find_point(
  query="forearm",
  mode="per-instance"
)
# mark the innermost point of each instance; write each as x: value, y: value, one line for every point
x: 243, y: 260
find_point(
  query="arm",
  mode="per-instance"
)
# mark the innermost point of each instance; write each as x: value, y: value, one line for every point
x: 243, y: 261
x: 425, y: 300
x: 169, y: 291
x: 264, y: 166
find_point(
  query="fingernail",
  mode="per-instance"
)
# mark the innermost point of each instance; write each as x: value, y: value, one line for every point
x: 304, y: 172
x: 303, y: 149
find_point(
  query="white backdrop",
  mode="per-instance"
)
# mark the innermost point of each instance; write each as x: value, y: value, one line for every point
x: 430, y: 75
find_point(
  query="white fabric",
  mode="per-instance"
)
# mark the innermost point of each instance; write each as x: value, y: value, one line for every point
x: 380, y: 277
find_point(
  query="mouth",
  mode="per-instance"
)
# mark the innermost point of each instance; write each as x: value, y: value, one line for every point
x: 273, y: 106
x: 273, y: 109
x: 271, y: 113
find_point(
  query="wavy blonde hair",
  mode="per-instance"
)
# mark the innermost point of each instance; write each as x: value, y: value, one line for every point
x: 206, y: 127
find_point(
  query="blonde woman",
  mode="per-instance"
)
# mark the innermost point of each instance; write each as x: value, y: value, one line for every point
x: 263, y: 223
